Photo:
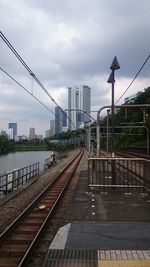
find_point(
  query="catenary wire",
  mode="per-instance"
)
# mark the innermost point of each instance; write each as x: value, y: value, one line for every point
x: 26, y: 89
x: 134, y: 78
x: 32, y: 74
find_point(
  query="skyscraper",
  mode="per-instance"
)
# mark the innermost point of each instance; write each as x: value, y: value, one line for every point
x: 32, y: 133
x: 79, y: 98
x: 60, y: 120
x: 52, y: 127
x: 13, y: 126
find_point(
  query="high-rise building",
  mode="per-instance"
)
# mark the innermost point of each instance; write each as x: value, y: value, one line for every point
x: 79, y: 100
x: 13, y: 126
x: 52, y: 127
x: 47, y: 133
x: 50, y: 132
x: 32, y: 133
x: 60, y: 120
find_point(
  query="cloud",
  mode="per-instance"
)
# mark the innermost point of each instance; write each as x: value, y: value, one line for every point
x: 69, y: 42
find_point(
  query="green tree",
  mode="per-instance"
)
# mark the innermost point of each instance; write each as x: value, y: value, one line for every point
x: 5, y: 144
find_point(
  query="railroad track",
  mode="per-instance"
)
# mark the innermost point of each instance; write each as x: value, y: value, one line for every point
x: 132, y: 154
x: 19, y: 239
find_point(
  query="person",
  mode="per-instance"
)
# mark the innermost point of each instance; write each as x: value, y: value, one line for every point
x: 51, y: 161
x: 53, y: 158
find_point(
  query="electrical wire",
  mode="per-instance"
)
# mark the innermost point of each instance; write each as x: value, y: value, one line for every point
x: 32, y: 74
x: 134, y: 78
x: 25, y: 89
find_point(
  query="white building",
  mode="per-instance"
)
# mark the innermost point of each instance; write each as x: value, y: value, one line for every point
x: 79, y: 103
x: 32, y: 134
x: 48, y: 133
x: 52, y: 127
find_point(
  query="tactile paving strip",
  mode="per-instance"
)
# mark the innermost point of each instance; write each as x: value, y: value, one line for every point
x: 66, y: 258
x: 100, y: 258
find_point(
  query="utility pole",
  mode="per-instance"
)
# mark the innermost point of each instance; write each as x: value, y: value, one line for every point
x: 114, y: 66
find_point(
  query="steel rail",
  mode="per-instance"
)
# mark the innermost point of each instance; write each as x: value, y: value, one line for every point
x: 133, y: 154
x: 60, y: 187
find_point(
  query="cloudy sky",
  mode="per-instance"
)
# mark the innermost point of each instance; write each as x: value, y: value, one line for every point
x: 68, y: 42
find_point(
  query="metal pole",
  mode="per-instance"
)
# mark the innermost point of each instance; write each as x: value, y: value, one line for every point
x: 89, y: 140
x: 147, y: 139
x: 114, y: 66
x: 112, y: 134
x: 112, y: 112
x: 107, y: 130
x: 98, y: 140
x: 98, y: 130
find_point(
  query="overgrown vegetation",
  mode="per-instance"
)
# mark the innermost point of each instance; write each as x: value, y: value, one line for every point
x: 66, y: 140
x: 6, y: 145
x: 134, y: 123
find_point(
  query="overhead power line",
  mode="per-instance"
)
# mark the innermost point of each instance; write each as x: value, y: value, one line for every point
x: 134, y: 78
x: 26, y: 89
x: 32, y: 74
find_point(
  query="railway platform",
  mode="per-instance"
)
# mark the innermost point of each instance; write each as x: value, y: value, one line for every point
x: 106, y: 228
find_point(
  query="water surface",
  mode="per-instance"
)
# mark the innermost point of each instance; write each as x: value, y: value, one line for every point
x: 19, y: 160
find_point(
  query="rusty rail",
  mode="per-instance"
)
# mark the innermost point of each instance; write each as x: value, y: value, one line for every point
x: 18, y: 240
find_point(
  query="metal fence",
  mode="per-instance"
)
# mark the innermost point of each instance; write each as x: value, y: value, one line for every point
x: 119, y: 172
x: 12, y: 180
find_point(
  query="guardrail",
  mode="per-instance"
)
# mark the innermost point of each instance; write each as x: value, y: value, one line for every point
x: 12, y: 180
x: 128, y: 172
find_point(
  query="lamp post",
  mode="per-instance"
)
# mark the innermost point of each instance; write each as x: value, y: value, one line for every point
x: 114, y: 66
x: 108, y: 110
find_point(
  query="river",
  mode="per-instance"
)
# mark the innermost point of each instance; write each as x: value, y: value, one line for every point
x: 19, y: 160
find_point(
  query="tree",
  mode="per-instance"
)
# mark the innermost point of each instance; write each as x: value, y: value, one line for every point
x: 4, y: 144
x: 133, y: 116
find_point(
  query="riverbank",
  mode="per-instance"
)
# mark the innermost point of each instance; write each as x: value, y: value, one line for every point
x: 22, y: 147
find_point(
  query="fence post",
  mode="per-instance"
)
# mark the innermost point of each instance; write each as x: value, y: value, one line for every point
x: 38, y: 167
x: 88, y: 175
x: 6, y: 183
x: 146, y: 174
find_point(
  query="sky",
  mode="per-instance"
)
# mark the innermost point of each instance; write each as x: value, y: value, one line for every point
x: 66, y: 43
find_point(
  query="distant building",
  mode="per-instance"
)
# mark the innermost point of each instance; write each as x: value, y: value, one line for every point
x: 60, y: 120
x: 50, y: 132
x: 3, y: 132
x: 13, y: 126
x: 47, y: 133
x: 64, y: 129
x: 52, y: 127
x: 32, y: 134
x: 10, y: 134
x: 22, y: 137
x: 131, y: 99
x: 79, y: 100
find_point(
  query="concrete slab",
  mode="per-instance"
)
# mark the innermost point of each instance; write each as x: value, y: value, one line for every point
x: 113, y: 235
x: 60, y: 239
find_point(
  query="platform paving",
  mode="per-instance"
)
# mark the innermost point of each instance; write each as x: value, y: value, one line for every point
x: 114, y: 223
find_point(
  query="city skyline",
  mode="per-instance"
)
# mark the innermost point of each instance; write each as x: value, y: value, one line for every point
x: 77, y: 47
